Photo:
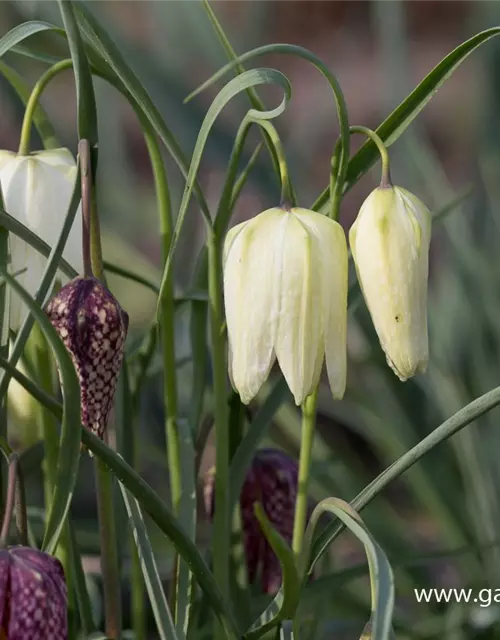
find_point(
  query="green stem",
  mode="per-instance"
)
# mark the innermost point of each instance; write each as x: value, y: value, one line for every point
x: 21, y: 513
x: 221, y: 538
x: 11, y: 499
x: 301, y: 504
x: 24, y: 143
x: 287, y: 197
x: 384, y: 154
x: 4, y: 335
x: 109, y: 553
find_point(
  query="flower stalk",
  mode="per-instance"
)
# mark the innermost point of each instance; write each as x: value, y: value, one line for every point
x: 301, y: 504
x: 31, y: 105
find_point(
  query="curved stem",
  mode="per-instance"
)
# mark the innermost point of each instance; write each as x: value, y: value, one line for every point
x: 11, y: 499
x: 384, y: 154
x: 24, y: 142
x: 287, y: 196
x: 308, y: 425
x: 221, y: 537
x: 340, y: 103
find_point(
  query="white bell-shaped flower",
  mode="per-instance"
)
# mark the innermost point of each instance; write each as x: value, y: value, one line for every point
x: 390, y: 246
x: 285, y: 288
x: 37, y: 190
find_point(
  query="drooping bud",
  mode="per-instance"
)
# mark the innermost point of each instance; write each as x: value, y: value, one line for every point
x: 285, y: 291
x: 390, y: 246
x: 271, y: 481
x: 93, y: 326
x: 33, y: 595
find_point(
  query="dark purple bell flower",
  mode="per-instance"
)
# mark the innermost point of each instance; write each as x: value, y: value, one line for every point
x: 272, y: 481
x: 33, y: 596
x: 93, y: 326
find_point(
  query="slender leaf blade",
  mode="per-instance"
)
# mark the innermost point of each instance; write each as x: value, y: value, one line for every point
x: 69, y: 448
x: 161, y: 611
x: 381, y: 576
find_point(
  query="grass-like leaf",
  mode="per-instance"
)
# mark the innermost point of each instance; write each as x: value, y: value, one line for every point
x: 69, y: 448
x: 400, y: 119
x: 291, y: 582
x: 381, y: 577
x: 157, y: 599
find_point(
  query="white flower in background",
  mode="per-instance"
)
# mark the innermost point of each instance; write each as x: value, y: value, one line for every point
x: 37, y: 190
x: 285, y: 288
x: 390, y: 246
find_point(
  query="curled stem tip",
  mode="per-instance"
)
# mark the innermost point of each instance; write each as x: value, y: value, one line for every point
x: 385, y: 181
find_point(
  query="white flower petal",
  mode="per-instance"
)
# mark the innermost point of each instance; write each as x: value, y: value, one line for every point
x: 299, y: 330
x: 37, y: 191
x: 251, y: 264
x: 330, y: 252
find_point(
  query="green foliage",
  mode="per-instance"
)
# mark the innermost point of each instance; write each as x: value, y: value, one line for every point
x: 434, y: 440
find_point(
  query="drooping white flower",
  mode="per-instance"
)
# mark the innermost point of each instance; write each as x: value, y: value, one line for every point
x: 390, y: 246
x: 285, y: 288
x: 37, y: 190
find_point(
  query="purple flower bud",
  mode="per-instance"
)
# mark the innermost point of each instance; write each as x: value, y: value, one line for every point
x: 272, y: 481
x: 93, y: 327
x: 33, y: 595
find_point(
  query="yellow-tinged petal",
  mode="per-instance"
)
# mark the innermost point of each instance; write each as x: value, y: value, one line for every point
x: 252, y: 259
x: 331, y: 254
x: 299, y: 334
x: 390, y: 246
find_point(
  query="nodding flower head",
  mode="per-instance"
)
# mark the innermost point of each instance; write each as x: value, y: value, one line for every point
x: 390, y: 246
x: 285, y: 293
x: 272, y: 481
x: 33, y: 596
x: 93, y: 326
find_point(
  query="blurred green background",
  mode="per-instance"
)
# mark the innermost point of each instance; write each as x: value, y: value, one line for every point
x: 440, y: 524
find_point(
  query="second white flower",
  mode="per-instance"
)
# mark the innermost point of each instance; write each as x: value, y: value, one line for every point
x: 285, y: 288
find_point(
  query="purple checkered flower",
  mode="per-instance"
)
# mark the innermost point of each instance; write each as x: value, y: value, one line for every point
x: 33, y: 596
x: 272, y: 481
x: 93, y: 327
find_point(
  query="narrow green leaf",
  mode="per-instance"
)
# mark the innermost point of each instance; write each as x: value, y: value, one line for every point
x: 112, y: 59
x: 78, y: 575
x: 160, y: 514
x: 69, y: 448
x: 291, y: 581
x: 187, y: 519
x: 458, y: 421
x: 163, y: 517
x: 251, y: 78
x: 130, y: 275
x: 399, y: 120
x: 23, y: 31
x: 40, y: 118
x: 381, y: 577
x: 157, y: 599
x: 87, y: 113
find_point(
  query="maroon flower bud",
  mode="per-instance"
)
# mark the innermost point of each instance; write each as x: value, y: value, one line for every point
x: 93, y: 327
x: 272, y: 481
x: 33, y: 595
